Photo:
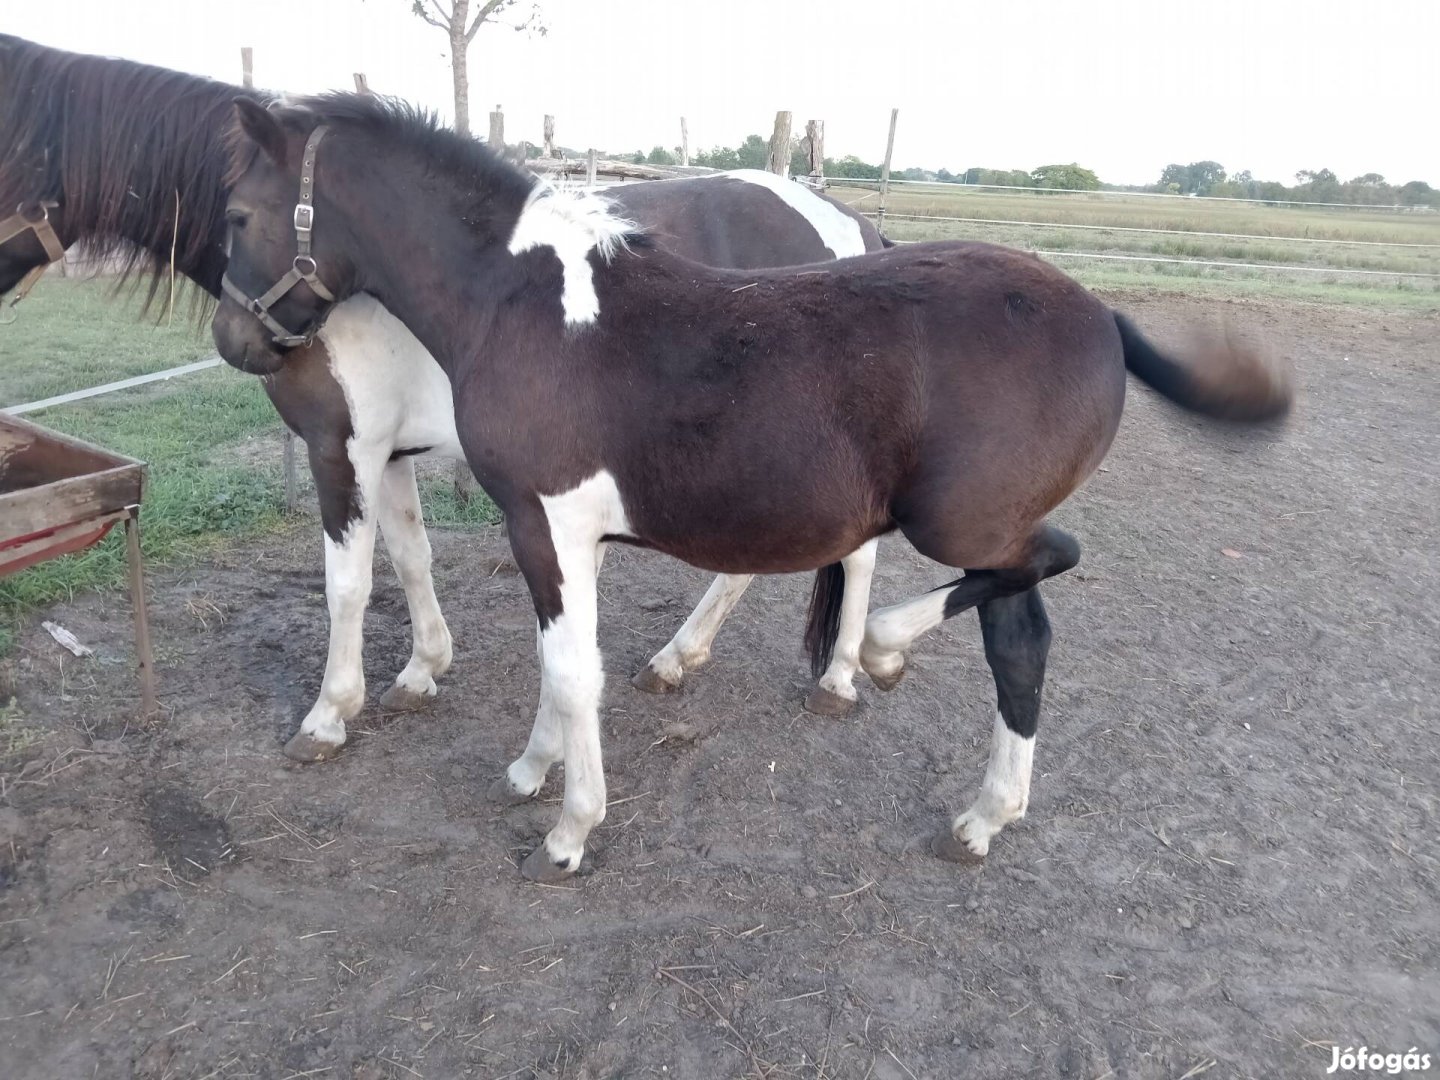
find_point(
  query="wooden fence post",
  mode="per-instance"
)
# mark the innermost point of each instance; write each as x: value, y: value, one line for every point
x: 684, y: 143
x: 885, y: 172
x: 496, y: 141
x: 590, y: 167
x: 779, y: 159
x: 549, y: 150
x: 247, y: 66
x: 362, y: 84
x: 814, y: 146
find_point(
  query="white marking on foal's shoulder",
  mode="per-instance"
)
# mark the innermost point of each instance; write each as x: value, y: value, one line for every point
x: 572, y: 223
x: 837, y: 230
x: 591, y: 508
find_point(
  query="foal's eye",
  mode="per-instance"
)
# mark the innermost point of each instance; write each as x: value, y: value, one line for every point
x: 236, y: 218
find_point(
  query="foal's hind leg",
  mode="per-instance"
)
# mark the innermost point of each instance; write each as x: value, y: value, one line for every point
x: 403, y: 527
x: 835, y: 695
x: 1017, y: 641
x: 690, y: 647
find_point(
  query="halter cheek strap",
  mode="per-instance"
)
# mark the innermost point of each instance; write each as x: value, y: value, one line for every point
x: 302, y: 268
x: 21, y: 222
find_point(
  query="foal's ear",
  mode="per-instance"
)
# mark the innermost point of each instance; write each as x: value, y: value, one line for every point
x: 261, y: 127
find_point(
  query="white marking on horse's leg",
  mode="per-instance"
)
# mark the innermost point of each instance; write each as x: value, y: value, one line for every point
x: 546, y: 744
x: 572, y: 224
x: 859, y: 568
x: 571, y: 671
x: 836, y: 230
x: 690, y: 647
x: 890, y: 631
x: 403, y: 527
x: 1004, y: 794
x: 347, y: 593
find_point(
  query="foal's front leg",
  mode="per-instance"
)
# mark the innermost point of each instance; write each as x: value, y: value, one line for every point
x: 690, y: 647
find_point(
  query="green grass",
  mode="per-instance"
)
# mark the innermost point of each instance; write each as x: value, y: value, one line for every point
x: 71, y: 334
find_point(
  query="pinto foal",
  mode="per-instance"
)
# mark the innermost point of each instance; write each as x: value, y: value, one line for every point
x: 759, y: 422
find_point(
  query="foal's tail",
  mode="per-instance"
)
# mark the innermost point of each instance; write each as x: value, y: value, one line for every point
x: 822, y: 624
x: 1218, y: 378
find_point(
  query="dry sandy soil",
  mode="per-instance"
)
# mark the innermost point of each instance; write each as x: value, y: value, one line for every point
x: 1230, y: 860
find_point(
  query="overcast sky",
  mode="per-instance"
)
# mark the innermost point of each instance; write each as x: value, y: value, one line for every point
x: 1120, y: 86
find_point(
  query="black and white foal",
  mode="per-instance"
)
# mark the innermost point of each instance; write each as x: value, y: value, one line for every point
x: 758, y: 422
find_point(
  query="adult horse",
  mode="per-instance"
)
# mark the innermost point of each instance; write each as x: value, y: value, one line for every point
x: 606, y: 390
x: 127, y: 159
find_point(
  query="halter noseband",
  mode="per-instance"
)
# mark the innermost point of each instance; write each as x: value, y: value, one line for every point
x: 302, y: 268
x: 22, y: 222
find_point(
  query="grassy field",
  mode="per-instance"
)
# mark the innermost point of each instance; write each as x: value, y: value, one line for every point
x: 211, y: 439
x: 1357, y: 240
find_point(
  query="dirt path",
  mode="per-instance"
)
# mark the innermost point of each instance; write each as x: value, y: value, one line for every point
x: 1230, y: 860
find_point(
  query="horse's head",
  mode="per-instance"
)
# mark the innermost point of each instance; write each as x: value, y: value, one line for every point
x: 31, y: 238
x: 286, y: 270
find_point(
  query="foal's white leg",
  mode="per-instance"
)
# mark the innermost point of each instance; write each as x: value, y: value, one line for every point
x: 890, y: 631
x: 342, y: 690
x: 690, y: 647
x: 836, y: 693
x: 1004, y: 794
x: 403, y: 527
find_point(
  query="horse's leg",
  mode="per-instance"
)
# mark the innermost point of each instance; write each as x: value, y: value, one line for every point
x: 348, y: 563
x: 835, y: 696
x: 1017, y: 640
x: 890, y: 631
x: 402, y: 524
x: 690, y: 647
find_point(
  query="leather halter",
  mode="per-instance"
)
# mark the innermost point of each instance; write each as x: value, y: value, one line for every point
x: 302, y: 268
x: 22, y: 222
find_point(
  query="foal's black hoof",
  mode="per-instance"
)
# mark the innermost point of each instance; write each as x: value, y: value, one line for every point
x: 943, y: 845
x: 886, y: 682
x: 538, y: 867
x: 824, y: 702
x: 402, y: 699
x: 648, y: 680
x: 503, y: 793
x: 302, y: 747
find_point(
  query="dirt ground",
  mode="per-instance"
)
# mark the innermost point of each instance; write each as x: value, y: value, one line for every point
x: 1229, y: 863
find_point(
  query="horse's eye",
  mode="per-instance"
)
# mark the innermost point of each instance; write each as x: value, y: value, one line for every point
x: 236, y: 219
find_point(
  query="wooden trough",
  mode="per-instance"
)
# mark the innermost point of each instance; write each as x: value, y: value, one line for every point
x: 59, y: 495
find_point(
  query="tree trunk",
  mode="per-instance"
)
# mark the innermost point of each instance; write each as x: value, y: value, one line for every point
x: 458, y: 67
x: 779, y: 158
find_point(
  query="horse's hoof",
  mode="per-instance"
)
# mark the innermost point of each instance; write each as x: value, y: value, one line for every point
x: 402, y: 699
x: 945, y: 846
x: 538, y: 867
x: 887, y: 682
x: 503, y: 793
x: 307, y: 748
x: 824, y: 702
x: 649, y: 680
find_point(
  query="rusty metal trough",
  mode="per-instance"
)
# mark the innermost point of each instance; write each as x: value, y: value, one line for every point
x: 59, y: 495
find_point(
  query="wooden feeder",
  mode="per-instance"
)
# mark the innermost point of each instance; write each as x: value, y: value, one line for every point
x: 59, y: 495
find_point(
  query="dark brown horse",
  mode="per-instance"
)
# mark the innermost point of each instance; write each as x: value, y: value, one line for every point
x: 106, y: 151
x: 758, y: 422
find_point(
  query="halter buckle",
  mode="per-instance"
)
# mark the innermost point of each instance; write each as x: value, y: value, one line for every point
x: 304, y: 217
x: 44, y: 215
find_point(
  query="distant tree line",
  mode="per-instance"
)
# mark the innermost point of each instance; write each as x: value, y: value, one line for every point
x: 1196, y: 178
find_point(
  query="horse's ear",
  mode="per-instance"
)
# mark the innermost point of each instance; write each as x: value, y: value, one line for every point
x: 261, y: 127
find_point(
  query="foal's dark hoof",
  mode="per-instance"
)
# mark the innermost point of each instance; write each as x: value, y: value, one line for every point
x: 302, y: 747
x: 503, y: 793
x: 824, y: 702
x: 648, y: 680
x: 944, y: 845
x: 402, y: 699
x: 886, y: 682
x: 538, y: 867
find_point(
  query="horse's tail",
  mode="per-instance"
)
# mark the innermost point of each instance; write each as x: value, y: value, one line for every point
x: 1218, y: 378
x: 822, y: 624
x: 886, y: 242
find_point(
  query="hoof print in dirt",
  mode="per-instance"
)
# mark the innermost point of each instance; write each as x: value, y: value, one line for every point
x: 824, y: 702
x: 307, y: 749
x: 539, y: 868
x: 402, y: 699
x: 649, y: 681
x: 944, y: 845
x: 503, y: 793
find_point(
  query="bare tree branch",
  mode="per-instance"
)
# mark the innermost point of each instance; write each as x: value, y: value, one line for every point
x: 490, y: 7
x: 440, y: 19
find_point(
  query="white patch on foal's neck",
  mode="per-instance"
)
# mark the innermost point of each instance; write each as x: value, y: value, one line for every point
x: 836, y: 229
x: 572, y: 224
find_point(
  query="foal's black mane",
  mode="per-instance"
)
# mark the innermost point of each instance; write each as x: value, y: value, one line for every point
x: 118, y: 141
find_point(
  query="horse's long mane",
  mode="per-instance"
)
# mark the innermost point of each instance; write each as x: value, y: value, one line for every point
x: 119, y: 141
